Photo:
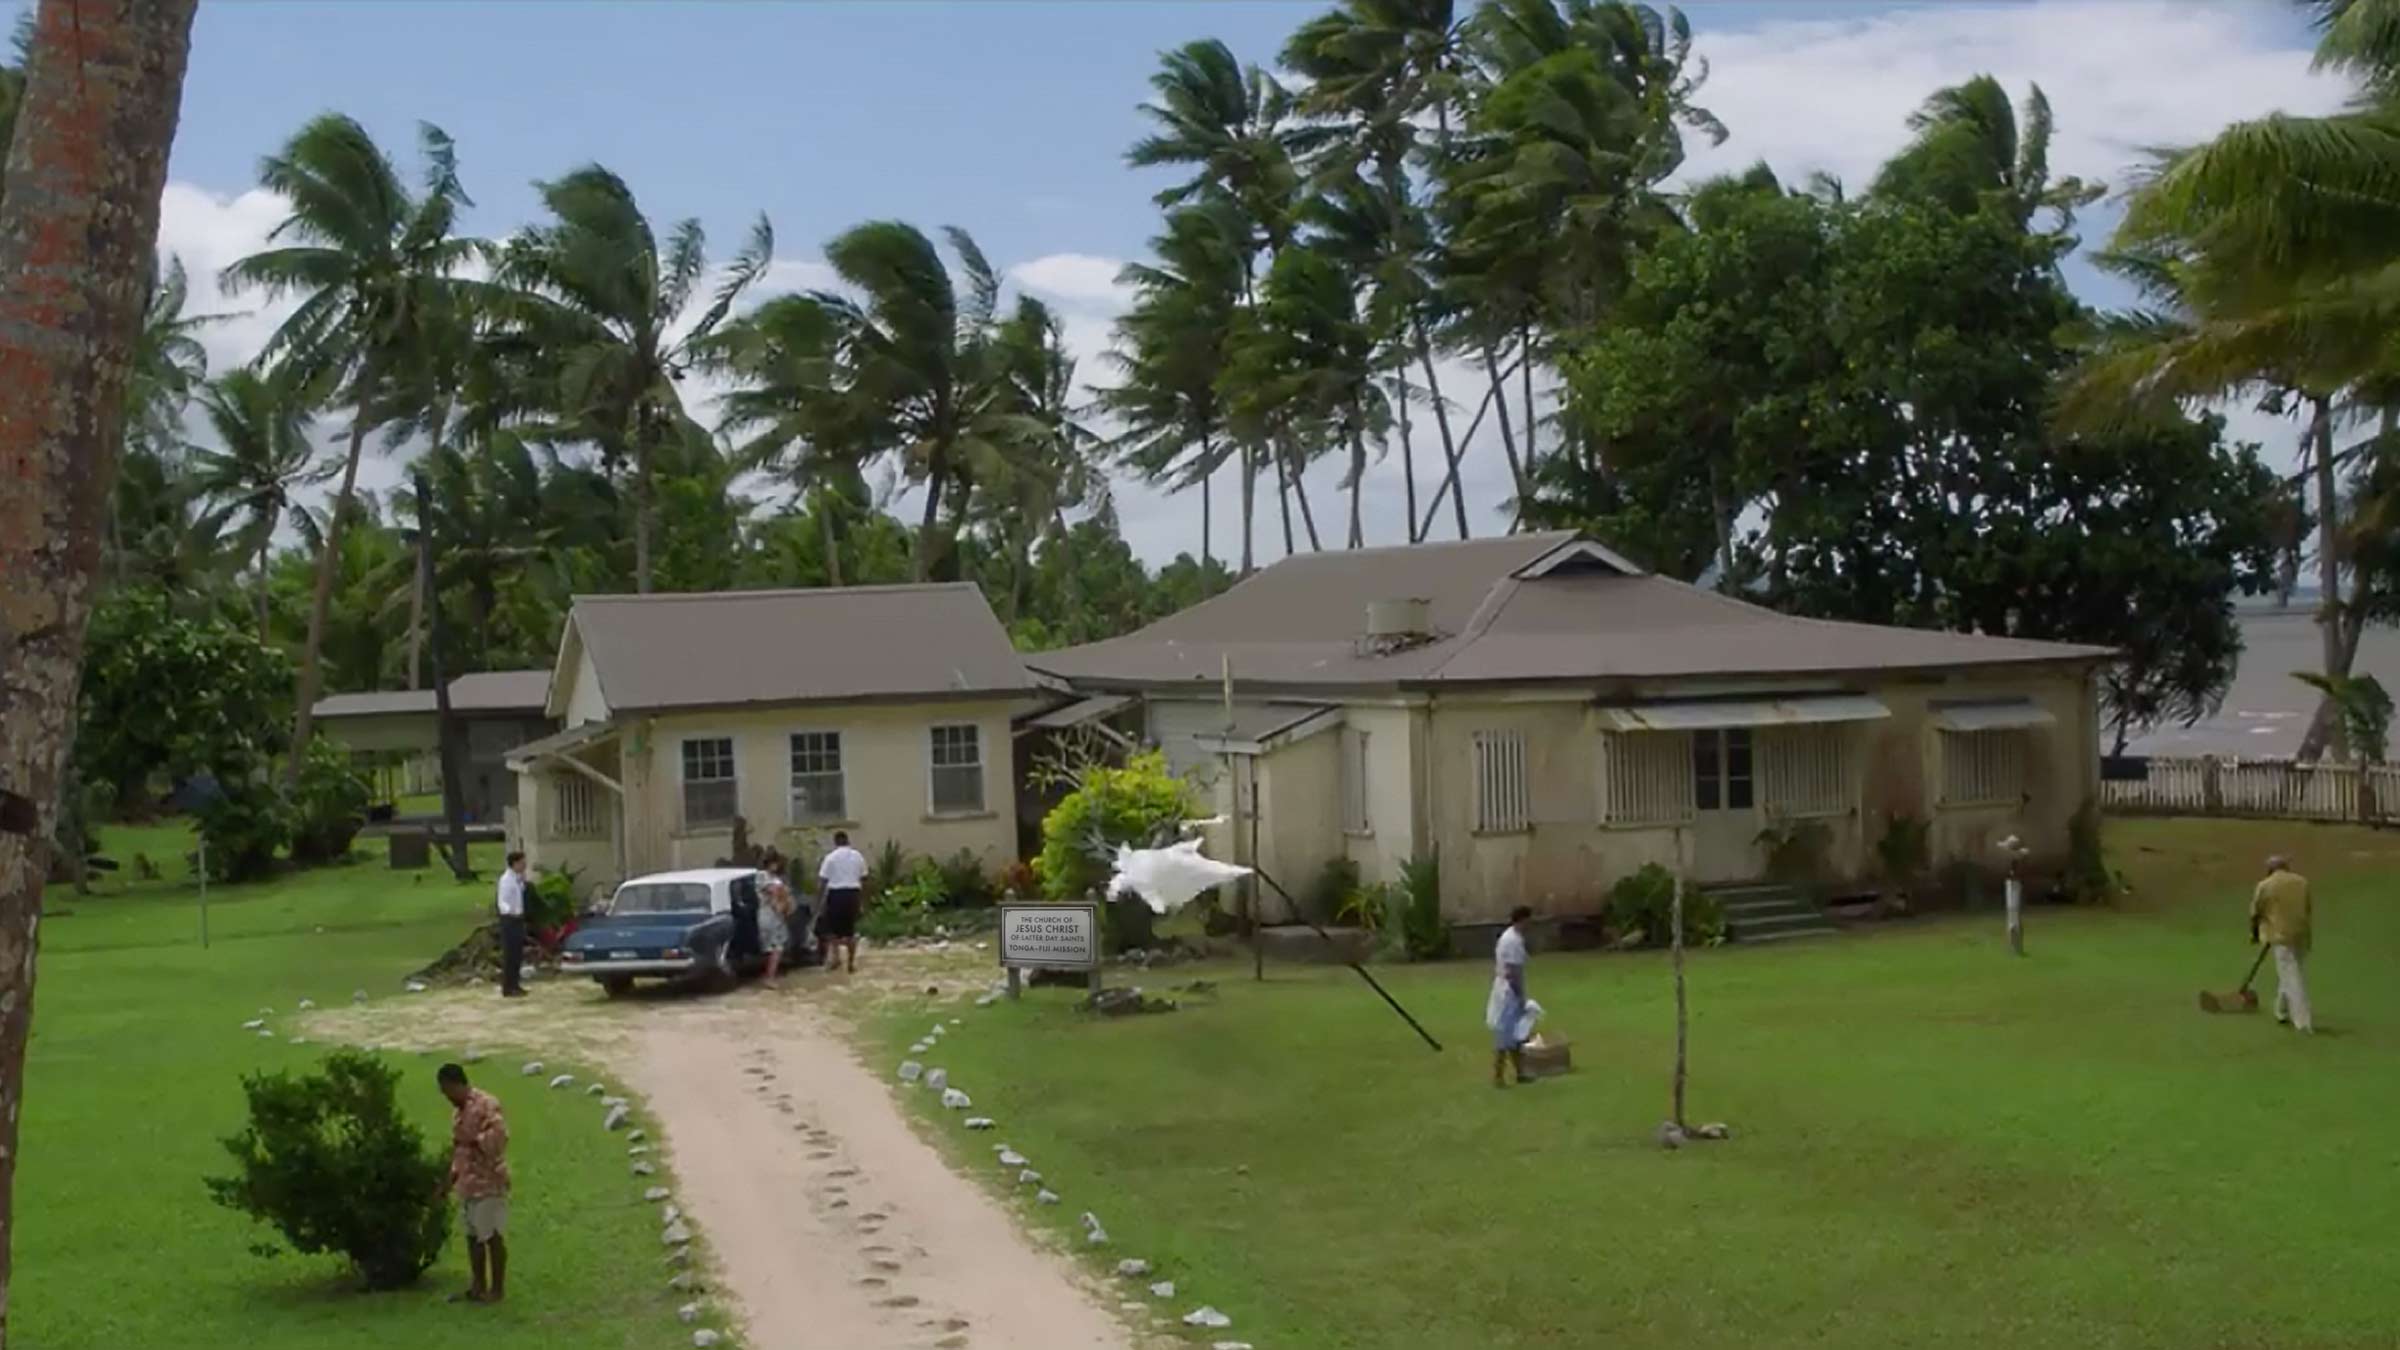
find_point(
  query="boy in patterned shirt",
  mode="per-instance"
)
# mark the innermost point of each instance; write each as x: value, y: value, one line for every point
x: 479, y: 1178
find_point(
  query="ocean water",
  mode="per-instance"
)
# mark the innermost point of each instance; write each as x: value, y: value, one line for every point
x: 2267, y: 711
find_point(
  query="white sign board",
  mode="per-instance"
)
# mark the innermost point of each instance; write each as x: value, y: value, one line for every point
x: 1050, y: 937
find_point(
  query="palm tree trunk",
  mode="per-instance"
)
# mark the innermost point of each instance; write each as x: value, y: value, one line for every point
x: 1508, y: 436
x: 832, y: 542
x: 1441, y: 422
x: 416, y: 620
x: 936, y: 470
x: 1483, y: 409
x: 1249, y: 507
x: 1208, y: 475
x: 1283, y: 497
x: 329, y: 550
x: 1532, y: 423
x: 2327, y: 730
x: 1358, y: 480
x: 1408, y: 454
x: 645, y: 513
x: 103, y: 80
x: 1308, y: 515
x: 264, y: 545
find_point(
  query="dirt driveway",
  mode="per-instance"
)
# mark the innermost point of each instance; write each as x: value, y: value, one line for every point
x: 831, y: 1221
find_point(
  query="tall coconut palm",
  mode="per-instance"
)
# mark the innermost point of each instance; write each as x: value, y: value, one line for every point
x: 372, y: 265
x: 789, y: 413
x: 1171, y: 348
x: 919, y: 361
x: 610, y: 303
x: 1305, y: 369
x: 263, y: 456
x: 1049, y: 464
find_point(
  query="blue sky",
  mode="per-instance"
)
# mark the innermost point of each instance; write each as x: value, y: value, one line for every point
x: 1011, y: 119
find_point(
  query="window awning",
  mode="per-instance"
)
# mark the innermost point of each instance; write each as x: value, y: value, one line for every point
x: 1707, y: 714
x: 1261, y: 730
x: 1077, y: 713
x: 559, y: 744
x: 2008, y: 714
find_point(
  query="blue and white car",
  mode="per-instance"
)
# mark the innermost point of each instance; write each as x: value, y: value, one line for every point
x: 699, y: 924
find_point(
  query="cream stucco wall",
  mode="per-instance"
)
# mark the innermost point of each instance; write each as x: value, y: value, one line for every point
x: 886, y: 769
x: 1394, y: 792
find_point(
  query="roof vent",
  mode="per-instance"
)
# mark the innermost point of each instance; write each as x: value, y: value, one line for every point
x: 1396, y: 624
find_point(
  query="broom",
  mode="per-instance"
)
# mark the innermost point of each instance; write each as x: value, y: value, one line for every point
x: 2240, y: 1000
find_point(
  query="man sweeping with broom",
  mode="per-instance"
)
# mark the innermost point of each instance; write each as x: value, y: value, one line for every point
x: 2279, y: 917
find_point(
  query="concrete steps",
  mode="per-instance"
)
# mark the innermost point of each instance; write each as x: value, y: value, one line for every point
x: 1769, y: 914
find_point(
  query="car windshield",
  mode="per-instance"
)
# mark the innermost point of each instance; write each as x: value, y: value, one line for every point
x: 662, y: 897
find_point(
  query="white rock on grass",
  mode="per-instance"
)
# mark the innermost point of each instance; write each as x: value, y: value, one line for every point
x: 616, y: 1117
x: 645, y: 1168
x: 958, y: 1021
x: 911, y: 1071
x: 956, y: 1100
x: 307, y: 1003
x: 358, y: 996
x: 299, y: 1040
x: 253, y: 1024
x: 1229, y: 1345
x: 1132, y: 1266
x: 561, y: 1080
x: 415, y: 986
x: 675, y: 1235
x: 656, y: 1194
x: 703, y: 1339
x: 689, y: 1312
x: 637, y: 1150
x: 1163, y: 1289
x: 1097, y: 1237
x: 937, y: 1079
x: 1009, y: 1157
x: 596, y: 1090
x: 679, y: 1256
x: 986, y: 1000
x: 684, y: 1281
x: 532, y: 1067
x: 266, y: 1035
x: 979, y: 1122
x: 635, y: 1136
x: 1045, y: 1197
x: 474, y: 1055
x: 670, y: 1216
x: 1205, y: 1316
x: 612, y: 1102
x: 920, y: 1047
x: 1029, y: 1177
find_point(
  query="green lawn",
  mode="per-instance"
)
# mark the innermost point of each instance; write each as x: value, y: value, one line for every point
x: 1935, y: 1144
x: 133, y: 1077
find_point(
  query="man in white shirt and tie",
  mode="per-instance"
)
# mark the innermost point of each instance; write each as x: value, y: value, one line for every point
x: 511, y: 905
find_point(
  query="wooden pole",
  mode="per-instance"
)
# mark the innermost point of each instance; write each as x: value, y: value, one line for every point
x: 445, y: 725
x: 1682, y: 1020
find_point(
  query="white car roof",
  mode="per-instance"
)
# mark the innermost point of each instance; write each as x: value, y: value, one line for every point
x: 706, y: 876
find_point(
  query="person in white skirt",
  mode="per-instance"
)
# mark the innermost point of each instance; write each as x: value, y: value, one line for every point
x: 1505, y: 1012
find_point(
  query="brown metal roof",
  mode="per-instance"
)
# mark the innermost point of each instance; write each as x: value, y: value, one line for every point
x: 500, y: 691
x: 374, y: 703
x: 1300, y: 622
x: 726, y: 648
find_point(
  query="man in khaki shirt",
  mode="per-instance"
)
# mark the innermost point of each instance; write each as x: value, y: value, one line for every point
x: 2279, y: 917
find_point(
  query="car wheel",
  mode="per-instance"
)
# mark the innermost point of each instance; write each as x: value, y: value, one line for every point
x: 617, y: 986
x: 721, y: 974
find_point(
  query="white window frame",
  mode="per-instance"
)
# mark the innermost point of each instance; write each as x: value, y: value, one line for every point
x: 791, y: 787
x: 1503, y: 783
x: 1358, y: 813
x: 983, y: 791
x: 1643, y: 779
x: 1997, y: 782
x: 683, y: 797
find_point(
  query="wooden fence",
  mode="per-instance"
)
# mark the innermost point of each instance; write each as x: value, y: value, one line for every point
x: 2268, y: 788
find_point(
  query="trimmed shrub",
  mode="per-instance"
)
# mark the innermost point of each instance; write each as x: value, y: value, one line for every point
x: 1641, y: 909
x: 1422, y: 932
x: 245, y: 828
x: 330, y: 1162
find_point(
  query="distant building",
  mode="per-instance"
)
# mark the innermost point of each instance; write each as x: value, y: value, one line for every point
x: 497, y: 711
x: 1549, y: 717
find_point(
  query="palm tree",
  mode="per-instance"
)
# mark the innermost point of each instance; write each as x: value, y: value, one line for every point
x: 1972, y: 147
x: 373, y: 265
x: 608, y: 304
x: 2269, y: 255
x: 1028, y: 480
x: 918, y: 360
x: 788, y: 411
x: 264, y: 455
x: 1171, y: 349
x: 1302, y: 372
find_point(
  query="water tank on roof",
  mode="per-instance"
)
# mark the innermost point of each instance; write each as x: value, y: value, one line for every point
x: 1398, y: 620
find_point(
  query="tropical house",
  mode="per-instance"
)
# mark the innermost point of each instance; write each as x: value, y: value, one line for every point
x: 399, y: 730
x: 882, y: 710
x: 1546, y: 717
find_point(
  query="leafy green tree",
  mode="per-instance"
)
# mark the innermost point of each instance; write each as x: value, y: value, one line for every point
x: 167, y: 696
x: 611, y: 305
x: 791, y: 414
x: 375, y: 267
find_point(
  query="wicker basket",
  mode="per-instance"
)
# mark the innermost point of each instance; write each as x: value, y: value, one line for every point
x: 1546, y: 1058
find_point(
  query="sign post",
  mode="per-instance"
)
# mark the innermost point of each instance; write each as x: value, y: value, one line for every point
x: 1061, y: 935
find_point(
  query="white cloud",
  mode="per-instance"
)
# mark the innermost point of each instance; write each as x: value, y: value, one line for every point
x: 2121, y: 75
x: 1073, y: 278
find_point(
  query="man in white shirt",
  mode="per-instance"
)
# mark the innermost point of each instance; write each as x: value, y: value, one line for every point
x: 511, y: 904
x: 844, y: 874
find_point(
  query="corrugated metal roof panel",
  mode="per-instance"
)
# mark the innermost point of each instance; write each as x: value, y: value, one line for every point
x: 1699, y: 715
x: 2014, y: 714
